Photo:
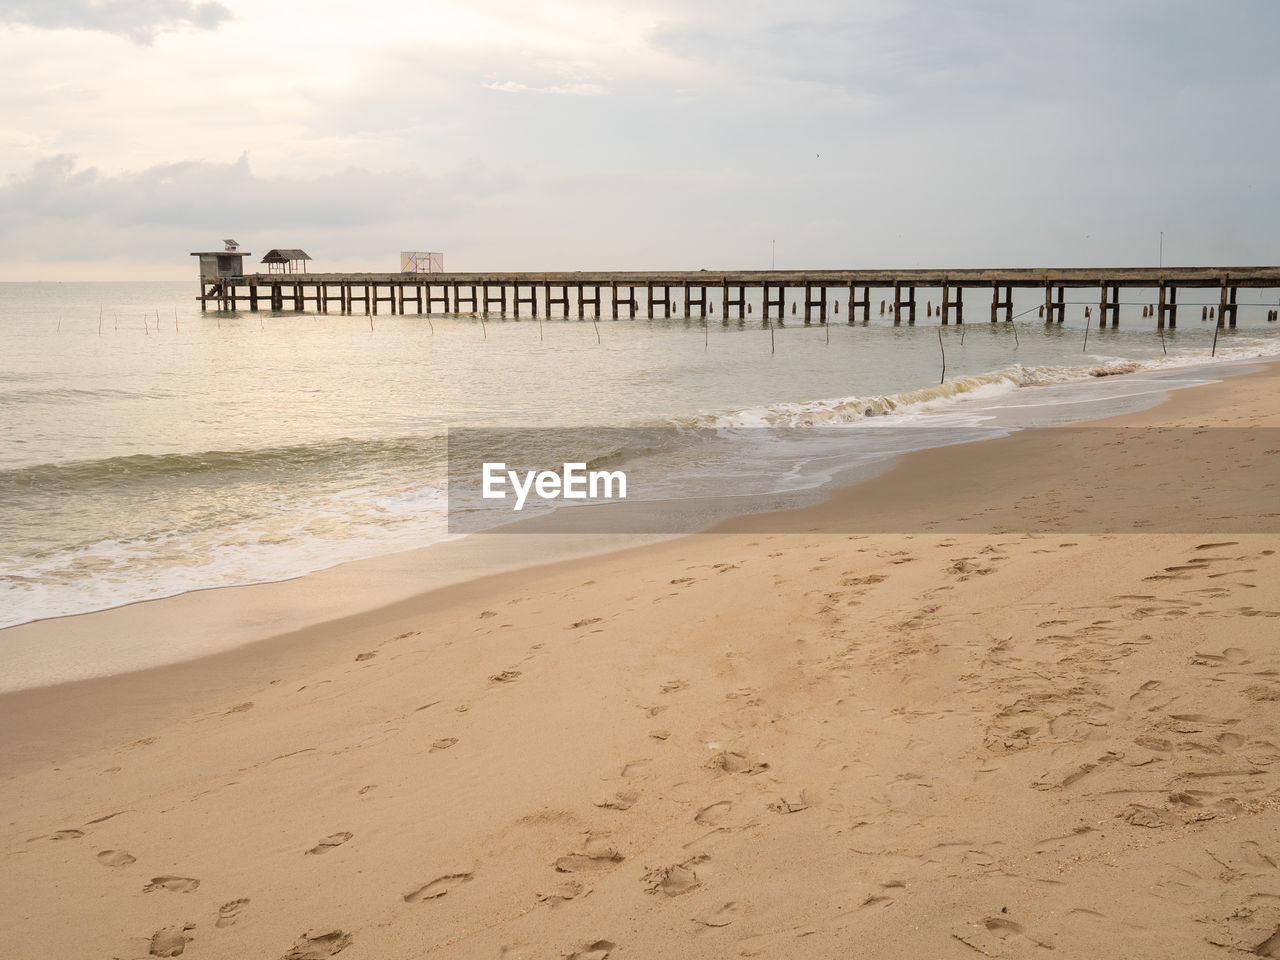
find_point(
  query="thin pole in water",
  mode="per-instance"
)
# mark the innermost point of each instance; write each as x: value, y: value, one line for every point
x: 596, y: 322
x: 1087, y: 321
x: 943, y: 378
x: 1214, y: 351
x: 1016, y: 344
x: 772, y: 345
x: 1162, y: 346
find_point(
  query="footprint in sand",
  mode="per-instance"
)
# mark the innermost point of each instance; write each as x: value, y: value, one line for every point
x: 66, y: 835
x: 721, y: 916
x: 368, y: 655
x: 783, y: 805
x: 677, y: 879
x: 331, y: 841
x: 731, y: 761
x: 595, y: 855
x: 506, y: 676
x: 172, y: 884
x: 569, y: 890
x: 620, y: 801
x: 115, y: 858
x: 170, y: 941
x: 438, y: 887
x: 713, y: 815
x: 443, y: 743
x: 599, y: 950
x: 238, y: 708
x: 229, y: 912
x: 318, y: 944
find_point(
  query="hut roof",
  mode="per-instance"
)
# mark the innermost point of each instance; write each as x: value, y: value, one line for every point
x: 284, y: 256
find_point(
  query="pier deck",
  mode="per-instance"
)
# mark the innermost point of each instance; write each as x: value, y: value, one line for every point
x: 507, y: 292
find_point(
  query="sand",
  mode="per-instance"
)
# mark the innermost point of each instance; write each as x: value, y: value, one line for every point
x: 991, y: 730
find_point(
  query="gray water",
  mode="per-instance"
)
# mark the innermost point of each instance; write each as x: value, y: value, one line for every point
x: 148, y: 449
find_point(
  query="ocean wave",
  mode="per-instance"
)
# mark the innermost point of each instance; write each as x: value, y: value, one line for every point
x: 983, y: 386
x: 221, y: 465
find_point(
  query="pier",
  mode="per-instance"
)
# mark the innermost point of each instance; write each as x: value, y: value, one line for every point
x: 628, y: 294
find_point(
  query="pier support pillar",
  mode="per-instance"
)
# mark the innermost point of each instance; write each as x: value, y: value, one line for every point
x: 1167, y: 309
x: 864, y: 303
x: 780, y: 302
x: 1111, y: 304
x: 997, y: 303
x: 1053, y: 309
x: 899, y: 303
x: 1229, y: 307
x: 690, y: 301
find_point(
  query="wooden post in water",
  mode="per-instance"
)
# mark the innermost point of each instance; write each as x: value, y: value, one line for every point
x: 897, y: 303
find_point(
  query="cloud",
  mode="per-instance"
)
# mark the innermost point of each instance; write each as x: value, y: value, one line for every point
x: 61, y: 212
x: 139, y: 20
x: 572, y: 89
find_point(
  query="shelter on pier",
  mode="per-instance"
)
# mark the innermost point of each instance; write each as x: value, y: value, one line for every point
x: 222, y: 264
x: 286, y: 261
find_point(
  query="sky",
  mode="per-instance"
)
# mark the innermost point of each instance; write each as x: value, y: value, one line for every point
x: 647, y: 134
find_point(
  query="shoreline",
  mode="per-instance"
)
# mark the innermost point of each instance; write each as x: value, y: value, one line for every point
x: 271, y: 607
x: 774, y: 739
x: 35, y: 713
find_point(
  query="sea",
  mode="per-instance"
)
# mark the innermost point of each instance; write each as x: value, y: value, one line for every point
x: 148, y: 448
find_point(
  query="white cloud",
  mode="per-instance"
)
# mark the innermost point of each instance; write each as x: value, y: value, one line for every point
x: 139, y: 20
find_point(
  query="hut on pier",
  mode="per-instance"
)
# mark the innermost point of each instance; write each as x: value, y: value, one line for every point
x: 286, y: 261
x: 222, y: 264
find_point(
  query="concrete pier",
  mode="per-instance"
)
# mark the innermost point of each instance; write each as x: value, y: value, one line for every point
x: 539, y: 294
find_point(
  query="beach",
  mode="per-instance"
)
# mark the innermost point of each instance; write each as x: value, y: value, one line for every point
x: 1027, y: 702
